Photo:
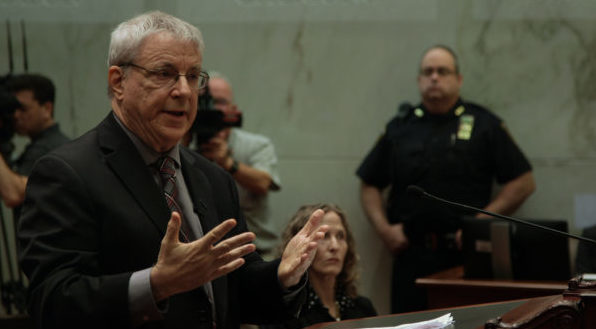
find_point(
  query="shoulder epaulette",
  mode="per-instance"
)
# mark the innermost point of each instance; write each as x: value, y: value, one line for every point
x: 403, y: 110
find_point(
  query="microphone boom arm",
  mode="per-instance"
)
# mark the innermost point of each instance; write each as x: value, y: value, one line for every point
x: 421, y: 192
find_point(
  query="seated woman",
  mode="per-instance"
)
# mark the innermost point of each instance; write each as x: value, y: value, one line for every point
x: 332, y: 294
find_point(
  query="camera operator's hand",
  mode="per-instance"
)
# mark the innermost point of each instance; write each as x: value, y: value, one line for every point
x: 217, y: 150
x: 12, y: 185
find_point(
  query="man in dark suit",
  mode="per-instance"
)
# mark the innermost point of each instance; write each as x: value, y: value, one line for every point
x: 124, y: 227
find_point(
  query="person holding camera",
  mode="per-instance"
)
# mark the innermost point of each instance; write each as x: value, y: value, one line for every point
x: 250, y: 159
x: 34, y: 118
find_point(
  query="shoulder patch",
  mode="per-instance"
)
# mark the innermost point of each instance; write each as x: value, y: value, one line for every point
x: 459, y: 110
x: 403, y: 110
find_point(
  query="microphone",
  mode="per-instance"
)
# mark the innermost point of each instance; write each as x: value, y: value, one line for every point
x: 419, y: 192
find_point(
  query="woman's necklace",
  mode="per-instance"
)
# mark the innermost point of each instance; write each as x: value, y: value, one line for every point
x: 337, y: 309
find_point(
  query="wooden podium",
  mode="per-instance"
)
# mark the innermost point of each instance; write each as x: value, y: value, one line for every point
x: 575, y: 308
x: 468, y: 317
x: 16, y: 322
x: 449, y: 288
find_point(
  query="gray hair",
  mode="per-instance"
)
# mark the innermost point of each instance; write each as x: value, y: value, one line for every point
x: 218, y: 75
x: 128, y: 36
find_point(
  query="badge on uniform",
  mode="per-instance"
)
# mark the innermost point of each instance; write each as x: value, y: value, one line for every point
x: 466, y: 124
x: 459, y: 110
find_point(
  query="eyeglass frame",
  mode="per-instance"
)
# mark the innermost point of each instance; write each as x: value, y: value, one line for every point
x: 173, y: 78
x: 441, y: 71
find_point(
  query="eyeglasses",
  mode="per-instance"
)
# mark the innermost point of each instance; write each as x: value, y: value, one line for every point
x: 168, y: 76
x: 221, y: 101
x: 441, y: 71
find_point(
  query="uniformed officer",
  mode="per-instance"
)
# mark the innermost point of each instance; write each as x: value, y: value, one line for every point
x: 450, y: 148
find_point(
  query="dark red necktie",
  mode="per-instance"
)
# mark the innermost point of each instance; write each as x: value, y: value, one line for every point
x: 167, y: 170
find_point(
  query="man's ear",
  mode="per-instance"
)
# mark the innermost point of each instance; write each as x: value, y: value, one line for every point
x: 115, y: 80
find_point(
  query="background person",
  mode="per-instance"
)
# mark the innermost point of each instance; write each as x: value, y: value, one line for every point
x: 450, y: 148
x: 251, y: 160
x: 332, y: 292
x: 34, y: 118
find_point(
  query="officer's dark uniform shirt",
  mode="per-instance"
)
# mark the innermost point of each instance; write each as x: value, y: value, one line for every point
x: 455, y: 156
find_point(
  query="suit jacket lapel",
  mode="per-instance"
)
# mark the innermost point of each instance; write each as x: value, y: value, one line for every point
x: 124, y: 159
x: 199, y: 189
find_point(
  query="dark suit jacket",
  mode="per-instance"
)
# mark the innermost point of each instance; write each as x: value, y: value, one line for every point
x: 93, y: 215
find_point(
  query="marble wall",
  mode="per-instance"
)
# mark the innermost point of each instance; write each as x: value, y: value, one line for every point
x: 322, y: 77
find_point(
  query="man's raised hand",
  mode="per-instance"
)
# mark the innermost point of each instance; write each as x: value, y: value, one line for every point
x: 185, y: 266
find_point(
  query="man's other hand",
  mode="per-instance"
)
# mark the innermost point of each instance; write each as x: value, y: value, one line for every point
x: 301, y: 250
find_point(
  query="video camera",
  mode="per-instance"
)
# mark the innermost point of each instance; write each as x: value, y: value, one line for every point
x: 210, y: 120
x: 12, y: 289
x: 8, y: 105
x: 8, y: 102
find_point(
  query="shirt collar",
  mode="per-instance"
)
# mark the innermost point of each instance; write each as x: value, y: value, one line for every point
x: 450, y: 114
x: 46, y: 131
x: 148, y: 154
